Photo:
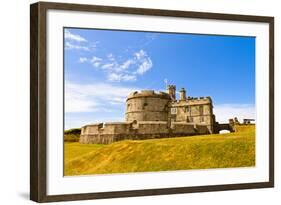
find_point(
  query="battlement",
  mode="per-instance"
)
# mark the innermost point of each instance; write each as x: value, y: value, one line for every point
x: 192, y: 101
x: 153, y: 122
x: 171, y: 86
x: 199, y: 99
x: 108, y: 128
x: 148, y: 93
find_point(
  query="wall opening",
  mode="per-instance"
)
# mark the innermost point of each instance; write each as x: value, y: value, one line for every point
x: 224, y: 131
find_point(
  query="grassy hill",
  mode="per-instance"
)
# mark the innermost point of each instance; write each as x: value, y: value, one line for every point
x: 183, y: 153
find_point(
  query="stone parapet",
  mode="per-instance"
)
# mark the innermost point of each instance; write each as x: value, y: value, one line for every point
x: 113, y: 132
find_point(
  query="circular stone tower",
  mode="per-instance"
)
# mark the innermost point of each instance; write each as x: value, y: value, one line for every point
x: 147, y: 105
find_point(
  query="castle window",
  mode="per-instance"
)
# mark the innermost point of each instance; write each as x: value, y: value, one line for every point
x: 128, y: 106
x: 173, y: 110
x: 84, y: 130
x: 144, y: 105
x: 187, y: 109
x: 201, y: 109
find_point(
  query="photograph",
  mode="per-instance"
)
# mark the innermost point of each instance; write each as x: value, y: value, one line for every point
x: 131, y: 101
x: 146, y: 101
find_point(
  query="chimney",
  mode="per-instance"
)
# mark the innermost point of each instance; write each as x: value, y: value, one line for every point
x: 182, y: 94
x: 171, y: 90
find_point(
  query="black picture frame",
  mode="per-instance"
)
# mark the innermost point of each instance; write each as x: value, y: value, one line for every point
x: 38, y: 100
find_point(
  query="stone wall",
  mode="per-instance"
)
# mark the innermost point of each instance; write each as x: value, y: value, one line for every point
x: 193, y: 110
x: 152, y: 127
x: 111, y: 132
x: 183, y: 128
x: 147, y: 106
x: 201, y: 129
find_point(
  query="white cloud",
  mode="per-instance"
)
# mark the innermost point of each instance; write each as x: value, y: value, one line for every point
x: 73, y: 37
x: 144, y: 66
x: 129, y: 77
x: 70, y: 46
x: 144, y: 62
x: 118, y: 101
x: 93, y: 45
x: 114, y: 77
x: 75, y: 104
x: 126, y: 64
x: 76, y: 100
x: 111, y: 57
x: 77, y: 42
x: 95, y: 59
x: 224, y: 112
x: 108, y: 66
x: 122, y: 70
x: 94, y: 97
x: 140, y: 54
x: 96, y: 64
x: 83, y: 59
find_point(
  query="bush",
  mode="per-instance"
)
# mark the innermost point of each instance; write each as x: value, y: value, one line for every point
x: 72, y: 135
x: 73, y: 131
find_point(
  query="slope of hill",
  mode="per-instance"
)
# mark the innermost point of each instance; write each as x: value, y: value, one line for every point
x: 183, y: 153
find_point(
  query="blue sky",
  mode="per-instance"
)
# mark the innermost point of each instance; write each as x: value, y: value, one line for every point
x: 103, y: 66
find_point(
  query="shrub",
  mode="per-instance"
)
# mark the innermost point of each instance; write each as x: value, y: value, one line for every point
x: 72, y: 135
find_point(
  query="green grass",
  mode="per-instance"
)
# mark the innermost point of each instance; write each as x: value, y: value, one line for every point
x: 183, y: 153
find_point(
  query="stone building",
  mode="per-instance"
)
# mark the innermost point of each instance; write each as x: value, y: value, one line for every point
x: 151, y: 114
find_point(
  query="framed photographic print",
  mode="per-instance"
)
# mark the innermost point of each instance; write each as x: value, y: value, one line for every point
x: 135, y: 102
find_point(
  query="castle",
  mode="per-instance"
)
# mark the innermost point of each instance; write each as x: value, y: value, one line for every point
x: 151, y: 114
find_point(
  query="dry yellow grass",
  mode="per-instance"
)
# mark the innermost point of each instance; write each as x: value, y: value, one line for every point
x: 183, y: 153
